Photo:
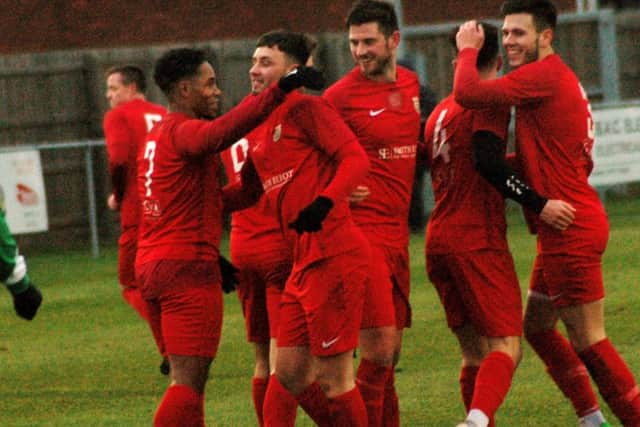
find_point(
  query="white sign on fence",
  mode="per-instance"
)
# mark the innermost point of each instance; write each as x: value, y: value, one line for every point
x: 616, y: 153
x: 22, y: 186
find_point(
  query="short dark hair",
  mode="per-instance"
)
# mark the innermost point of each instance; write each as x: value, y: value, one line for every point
x: 130, y: 74
x: 490, y: 48
x: 175, y: 65
x: 297, y: 46
x: 545, y: 14
x: 382, y: 12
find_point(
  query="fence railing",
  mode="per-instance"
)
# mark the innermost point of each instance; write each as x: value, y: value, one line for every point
x: 88, y: 147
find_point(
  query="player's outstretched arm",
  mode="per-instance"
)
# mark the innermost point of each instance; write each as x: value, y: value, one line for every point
x: 492, y: 166
x: 195, y: 137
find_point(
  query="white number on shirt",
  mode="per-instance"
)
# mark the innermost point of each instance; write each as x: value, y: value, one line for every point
x: 239, y: 152
x: 440, y: 144
x: 591, y: 134
x: 151, y: 119
x: 149, y: 153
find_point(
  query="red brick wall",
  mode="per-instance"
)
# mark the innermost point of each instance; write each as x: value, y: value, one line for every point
x: 45, y: 25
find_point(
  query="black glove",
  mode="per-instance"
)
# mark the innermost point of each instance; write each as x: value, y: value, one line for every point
x: 310, y: 218
x: 302, y: 76
x: 228, y: 272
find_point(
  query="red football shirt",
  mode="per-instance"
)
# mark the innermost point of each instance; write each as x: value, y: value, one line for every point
x: 386, y: 119
x: 255, y: 228
x: 554, y: 137
x: 307, y: 152
x: 125, y: 129
x: 469, y: 212
x: 178, y: 181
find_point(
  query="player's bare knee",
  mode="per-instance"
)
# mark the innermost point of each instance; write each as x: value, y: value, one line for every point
x: 378, y: 345
x: 509, y: 345
x: 191, y: 371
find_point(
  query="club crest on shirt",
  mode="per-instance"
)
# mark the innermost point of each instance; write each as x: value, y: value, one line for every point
x: 277, y: 133
x: 416, y: 103
x: 395, y: 100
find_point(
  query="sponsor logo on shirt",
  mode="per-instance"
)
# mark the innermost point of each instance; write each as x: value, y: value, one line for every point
x: 151, y: 207
x: 374, y: 113
x: 277, y: 181
x: 400, y: 152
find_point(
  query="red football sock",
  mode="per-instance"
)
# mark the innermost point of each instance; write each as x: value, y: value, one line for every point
x: 492, y: 382
x: 615, y: 381
x: 566, y: 369
x: 181, y: 406
x: 258, y: 391
x: 279, y: 407
x: 348, y: 410
x: 390, y: 409
x: 315, y: 404
x: 467, y: 384
x: 371, y: 381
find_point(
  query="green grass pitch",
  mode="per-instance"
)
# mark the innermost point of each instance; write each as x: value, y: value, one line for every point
x: 88, y: 360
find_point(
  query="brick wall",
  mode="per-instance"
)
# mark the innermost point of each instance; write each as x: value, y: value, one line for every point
x: 45, y: 25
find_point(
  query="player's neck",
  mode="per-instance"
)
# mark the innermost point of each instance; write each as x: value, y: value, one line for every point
x: 544, y: 52
x: 176, y: 107
x: 389, y: 75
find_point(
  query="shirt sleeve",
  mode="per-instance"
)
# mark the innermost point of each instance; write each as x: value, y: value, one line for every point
x: 324, y: 127
x: 527, y: 84
x: 244, y: 192
x: 195, y: 137
x: 118, y: 141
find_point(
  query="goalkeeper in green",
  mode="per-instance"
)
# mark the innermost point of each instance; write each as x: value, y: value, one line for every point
x: 13, y: 272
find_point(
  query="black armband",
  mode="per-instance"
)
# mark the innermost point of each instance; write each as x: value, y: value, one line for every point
x: 489, y: 161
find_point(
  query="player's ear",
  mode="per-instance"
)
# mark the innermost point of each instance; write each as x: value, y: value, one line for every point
x: 394, y: 39
x: 183, y: 88
x: 545, y: 38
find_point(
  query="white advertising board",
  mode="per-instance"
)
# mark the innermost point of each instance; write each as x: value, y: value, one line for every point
x: 23, y: 191
x: 616, y: 153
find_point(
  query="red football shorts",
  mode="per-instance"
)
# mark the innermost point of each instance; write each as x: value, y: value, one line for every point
x: 185, y: 305
x: 567, y: 280
x: 478, y: 287
x: 321, y: 306
x: 262, y: 278
x: 387, y: 289
x: 127, y: 247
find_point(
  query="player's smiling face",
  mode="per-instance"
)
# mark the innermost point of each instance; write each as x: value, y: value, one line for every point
x: 520, y: 39
x: 206, y: 93
x: 268, y: 65
x: 371, y: 49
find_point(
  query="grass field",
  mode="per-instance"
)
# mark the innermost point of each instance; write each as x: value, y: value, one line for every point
x: 87, y: 360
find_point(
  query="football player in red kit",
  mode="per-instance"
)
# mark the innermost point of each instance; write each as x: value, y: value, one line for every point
x: 257, y: 246
x: 554, y: 134
x: 379, y: 101
x: 308, y: 162
x: 125, y: 129
x: 181, y: 219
